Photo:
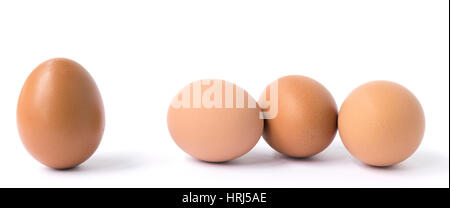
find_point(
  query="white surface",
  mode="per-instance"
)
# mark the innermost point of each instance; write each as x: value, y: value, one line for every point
x: 141, y: 53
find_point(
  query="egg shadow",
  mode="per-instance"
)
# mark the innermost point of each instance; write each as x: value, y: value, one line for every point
x: 332, y: 154
x: 256, y: 158
x: 107, y: 162
x: 421, y: 161
x: 269, y: 158
x: 251, y: 159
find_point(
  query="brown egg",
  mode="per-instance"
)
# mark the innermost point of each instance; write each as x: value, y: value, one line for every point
x: 381, y: 123
x: 60, y: 114
x: 300, y: 114
x: 214, y: 121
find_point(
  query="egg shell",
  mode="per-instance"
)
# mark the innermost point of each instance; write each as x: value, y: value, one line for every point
x: 306, y: 119
x: 381, y: 123
x: 60, y: 115
x: 212, y: 133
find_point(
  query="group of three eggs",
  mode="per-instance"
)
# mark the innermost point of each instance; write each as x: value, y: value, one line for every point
x: 60, y: 118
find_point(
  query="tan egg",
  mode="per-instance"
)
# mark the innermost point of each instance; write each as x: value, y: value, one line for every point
x: 214, y: 121
x: 300, y: 114
x: 60, y: 114
x: 381, y: 123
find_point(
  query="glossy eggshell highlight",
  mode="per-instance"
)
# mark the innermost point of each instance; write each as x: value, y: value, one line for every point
x: 306, y: 119
x: 381, y: 123
x: 60, y: 115
x: 215, y: 134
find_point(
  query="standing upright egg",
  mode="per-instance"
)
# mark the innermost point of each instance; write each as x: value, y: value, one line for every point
x: 60, y: 115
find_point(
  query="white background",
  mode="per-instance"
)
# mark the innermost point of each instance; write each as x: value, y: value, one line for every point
x: 141, y: 53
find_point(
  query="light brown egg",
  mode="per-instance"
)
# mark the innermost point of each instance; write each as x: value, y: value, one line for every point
x: 381, y: 123
x: 214, y: 121
x: 300, y: 114
x: 60, y: 114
